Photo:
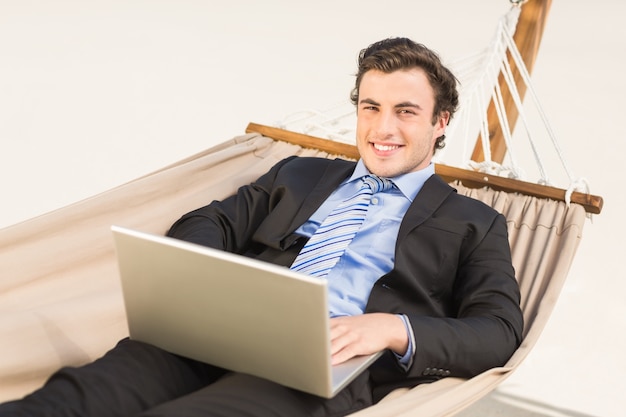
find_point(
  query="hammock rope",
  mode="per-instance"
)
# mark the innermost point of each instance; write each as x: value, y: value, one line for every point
x: 576, y: 183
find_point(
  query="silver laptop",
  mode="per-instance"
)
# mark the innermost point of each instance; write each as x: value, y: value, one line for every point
x: 230, y: 311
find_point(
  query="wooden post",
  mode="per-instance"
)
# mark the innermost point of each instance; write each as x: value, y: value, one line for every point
x: 527, y: 37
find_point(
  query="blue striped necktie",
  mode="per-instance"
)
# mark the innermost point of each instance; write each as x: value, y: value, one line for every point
x: 330, y: 240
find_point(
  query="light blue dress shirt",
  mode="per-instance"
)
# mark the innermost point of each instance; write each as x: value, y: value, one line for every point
x: 371, y: 254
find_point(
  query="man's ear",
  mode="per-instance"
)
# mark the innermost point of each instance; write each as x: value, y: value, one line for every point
x: 442, y: 122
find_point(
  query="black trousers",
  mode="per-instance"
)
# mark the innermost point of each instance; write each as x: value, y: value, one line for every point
x: 137, y: 379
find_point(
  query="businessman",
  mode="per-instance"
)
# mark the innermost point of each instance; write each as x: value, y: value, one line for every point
x: 413, y: 268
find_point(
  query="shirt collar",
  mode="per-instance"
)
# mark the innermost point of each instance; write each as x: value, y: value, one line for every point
x: 409, y: 184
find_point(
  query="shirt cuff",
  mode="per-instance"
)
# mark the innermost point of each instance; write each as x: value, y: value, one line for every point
x: 407, y: 359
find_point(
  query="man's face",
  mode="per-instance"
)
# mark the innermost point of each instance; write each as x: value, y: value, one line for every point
x: 395, y: 134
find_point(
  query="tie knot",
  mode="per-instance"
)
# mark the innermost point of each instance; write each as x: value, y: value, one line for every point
x: 377, y: 184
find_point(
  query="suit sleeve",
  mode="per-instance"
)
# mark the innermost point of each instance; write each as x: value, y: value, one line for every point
x: 230, y: 224
x: 485, y: 322
x: 454, y: 280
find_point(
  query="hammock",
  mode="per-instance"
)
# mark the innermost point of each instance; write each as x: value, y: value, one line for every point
x: 60, y: 296
x: 61, y: 299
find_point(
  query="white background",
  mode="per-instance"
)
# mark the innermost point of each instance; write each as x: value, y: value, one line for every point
x: 96, y: 93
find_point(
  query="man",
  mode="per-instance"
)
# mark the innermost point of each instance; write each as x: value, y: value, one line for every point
x: 427, y: 276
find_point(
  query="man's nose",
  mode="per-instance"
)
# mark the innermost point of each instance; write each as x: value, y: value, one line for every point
x: 386, y: 124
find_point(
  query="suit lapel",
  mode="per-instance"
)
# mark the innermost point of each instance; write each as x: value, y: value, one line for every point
x: 428, y: 200
x: 333, y: 175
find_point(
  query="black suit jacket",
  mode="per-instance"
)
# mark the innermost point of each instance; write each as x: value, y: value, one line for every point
x: 452, y: 277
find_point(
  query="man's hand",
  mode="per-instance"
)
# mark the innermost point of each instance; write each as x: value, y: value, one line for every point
x: 365, y: 334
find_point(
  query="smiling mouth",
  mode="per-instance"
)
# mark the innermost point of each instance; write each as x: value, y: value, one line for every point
x: 385, y: 148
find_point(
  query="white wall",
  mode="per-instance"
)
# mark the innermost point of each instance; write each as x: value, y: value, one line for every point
x: 96, y: 93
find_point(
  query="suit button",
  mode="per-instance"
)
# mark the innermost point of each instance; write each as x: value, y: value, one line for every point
x: 446, y: 373
x: 427, y: 371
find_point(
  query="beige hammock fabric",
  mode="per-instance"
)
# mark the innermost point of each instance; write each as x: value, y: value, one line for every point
x: 60, y: 299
